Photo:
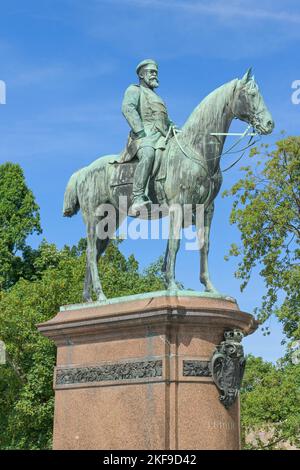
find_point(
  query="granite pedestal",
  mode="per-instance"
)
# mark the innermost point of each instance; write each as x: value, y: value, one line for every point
x: 133, y: 373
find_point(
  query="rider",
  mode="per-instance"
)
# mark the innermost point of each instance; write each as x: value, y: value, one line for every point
x: 147, y: 115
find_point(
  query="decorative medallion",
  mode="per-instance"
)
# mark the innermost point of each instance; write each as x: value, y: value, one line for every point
x: 228, y: 365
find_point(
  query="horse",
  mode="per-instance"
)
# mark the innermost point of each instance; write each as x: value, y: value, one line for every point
x: 192, y: 176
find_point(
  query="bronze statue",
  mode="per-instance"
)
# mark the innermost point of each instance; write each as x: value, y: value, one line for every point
x: 186, y: 171
x: 147, y: 115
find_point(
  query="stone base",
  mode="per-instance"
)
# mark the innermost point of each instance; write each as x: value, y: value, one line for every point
x: 134, y: 373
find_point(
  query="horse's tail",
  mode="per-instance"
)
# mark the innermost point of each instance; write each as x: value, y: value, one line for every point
x: 71, y: 202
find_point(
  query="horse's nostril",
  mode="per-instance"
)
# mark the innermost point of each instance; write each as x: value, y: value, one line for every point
x: 270, y: 124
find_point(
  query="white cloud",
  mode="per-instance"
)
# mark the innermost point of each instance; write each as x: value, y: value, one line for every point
x: 170, y: 29
x: 220, y: 9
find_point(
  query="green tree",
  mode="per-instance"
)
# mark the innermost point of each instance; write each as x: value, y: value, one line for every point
x: 266, y: 210
x: 26, y: 402
x: 19, y: 217
x: 270, y: 404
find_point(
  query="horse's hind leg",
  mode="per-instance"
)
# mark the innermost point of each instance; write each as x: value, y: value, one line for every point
x: 102, y: 243
x: 92, y: 259
x: 109, y: 230
x: 87, y: 283
x: 101, y: 247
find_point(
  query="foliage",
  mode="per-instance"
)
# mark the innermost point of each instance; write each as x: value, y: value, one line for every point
x: 26, y: 416
x: 270, y: 404
x: 19, y: 217
x: 266, y: 210
x: 36, y: 282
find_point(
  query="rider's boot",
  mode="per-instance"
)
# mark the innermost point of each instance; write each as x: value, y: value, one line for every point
x: 141, y: 176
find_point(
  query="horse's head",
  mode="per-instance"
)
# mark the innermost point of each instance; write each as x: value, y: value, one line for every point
x: 249, y: 105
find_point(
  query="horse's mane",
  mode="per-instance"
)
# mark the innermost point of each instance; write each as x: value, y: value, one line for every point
x: 207, y: 114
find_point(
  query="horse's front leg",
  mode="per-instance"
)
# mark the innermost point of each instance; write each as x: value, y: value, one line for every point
x: 92, y: 260
x: 164, y: 266
x: 173, y: 246
x: 204, y: 271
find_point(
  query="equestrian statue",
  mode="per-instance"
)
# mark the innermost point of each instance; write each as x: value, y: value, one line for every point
x: 162, y: 165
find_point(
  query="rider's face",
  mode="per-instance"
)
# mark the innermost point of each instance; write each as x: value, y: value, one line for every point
x: 150, y: 77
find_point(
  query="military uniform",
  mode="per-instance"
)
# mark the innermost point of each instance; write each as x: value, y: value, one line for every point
x: 147, y: 115
x: 144, y: 111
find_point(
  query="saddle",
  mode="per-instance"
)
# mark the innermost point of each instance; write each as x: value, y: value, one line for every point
x: 123, y: 174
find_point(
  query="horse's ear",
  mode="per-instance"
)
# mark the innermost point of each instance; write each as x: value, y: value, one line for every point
x: 247, y: 76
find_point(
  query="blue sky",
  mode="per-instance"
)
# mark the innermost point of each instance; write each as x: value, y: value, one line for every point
x: 67, y: 63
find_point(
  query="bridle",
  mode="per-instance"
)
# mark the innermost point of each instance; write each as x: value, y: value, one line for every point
x: 229, y: 151
x: 252, y: 124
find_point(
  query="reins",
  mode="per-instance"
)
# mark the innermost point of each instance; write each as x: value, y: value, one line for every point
x: 227, y: 152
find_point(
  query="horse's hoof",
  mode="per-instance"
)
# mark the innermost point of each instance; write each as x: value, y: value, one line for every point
x: 173, y: 285
x: 213, y: 291
x: 101, y: 298
x: 87, y: 298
